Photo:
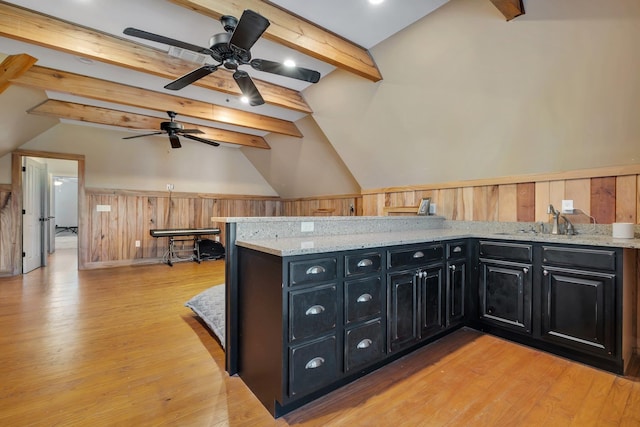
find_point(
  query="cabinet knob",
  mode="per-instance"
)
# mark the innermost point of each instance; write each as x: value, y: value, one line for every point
x: 314, y: 363
x: 452, y: 267
x: 365, y: 343
x: 526, y: 270
x: 418, y: 254
x: 317, y: 269
x: 545, y: 272
x: 314, y: 310
x: 365, y: 263
x: 364, y: 298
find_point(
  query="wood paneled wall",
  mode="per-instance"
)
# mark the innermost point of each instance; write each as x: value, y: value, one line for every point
x: 606, y: 199
x: 347, y: 205
x: 6, y: 227
x: 131, y: 215
x: 608, y: 194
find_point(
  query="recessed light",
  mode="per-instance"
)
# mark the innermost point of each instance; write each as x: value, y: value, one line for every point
x: 244, y: 100
x: 289, y: 63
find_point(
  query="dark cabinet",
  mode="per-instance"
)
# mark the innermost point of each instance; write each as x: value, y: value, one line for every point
x: 579, y: 304
x: 505, y: 294
x: 432, y: 301
x: 312, y: 311
x: 364, y: 344
x: 456, y: 285
x: 422, y: 299
x: 505, y: 285
x: 313, y: 365
x: 402, y: 309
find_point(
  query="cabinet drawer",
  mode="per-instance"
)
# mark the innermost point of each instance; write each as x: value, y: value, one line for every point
x: 456, y: 250
x: 598, y: 259
x: 362, y: 263
x: 312, y: 271
x: 312, y: 311
x: 312, y: 366
x: 363, y: 299
x: 414, y: 257
x: 505, y: 250
x: 364, y: 345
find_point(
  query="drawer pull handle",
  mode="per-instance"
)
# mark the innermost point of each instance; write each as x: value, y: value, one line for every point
x: 365, y: 263
x: 317, y: 269
x: 315, y: 309
x: 364, y: 298
x: 457, y: 249
x: 314, y: 363
x: 365, y: 343
x: 418, y: 254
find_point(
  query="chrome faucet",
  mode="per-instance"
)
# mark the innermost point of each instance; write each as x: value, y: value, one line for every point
x: 556, y: 216
x: 569, y: 228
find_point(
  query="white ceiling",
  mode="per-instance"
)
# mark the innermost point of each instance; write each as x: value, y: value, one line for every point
x: 355, y: 20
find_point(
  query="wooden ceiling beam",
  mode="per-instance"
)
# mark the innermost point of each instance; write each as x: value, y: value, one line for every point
x: 295, y: 33
x: 61, y: 81
x: 509, y: 8
x: 21, y: 24
x: 13, y: 66
x: 105, y: 116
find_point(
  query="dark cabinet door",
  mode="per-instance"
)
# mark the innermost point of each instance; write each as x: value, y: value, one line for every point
x: 312, y: 311
x: 402, y: 310
x: 456, y: 283
x: 312, y: 365
x: 432, y: 297
x: 364, y: 344
x: 579, y: 309
x: 505, y: 294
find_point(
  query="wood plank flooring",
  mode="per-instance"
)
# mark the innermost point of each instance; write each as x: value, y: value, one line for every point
x: 117, y: 347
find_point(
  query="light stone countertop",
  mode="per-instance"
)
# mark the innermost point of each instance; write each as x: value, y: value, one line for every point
x: 290, y: 246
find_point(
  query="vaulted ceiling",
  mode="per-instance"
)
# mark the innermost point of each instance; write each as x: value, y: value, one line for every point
x: 75, y: 53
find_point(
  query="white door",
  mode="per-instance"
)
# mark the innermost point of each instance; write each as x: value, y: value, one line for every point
x: 33, y: 205
x: 50, y: 223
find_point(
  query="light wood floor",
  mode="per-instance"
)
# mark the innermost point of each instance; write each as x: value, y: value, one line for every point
x: 118, y: 347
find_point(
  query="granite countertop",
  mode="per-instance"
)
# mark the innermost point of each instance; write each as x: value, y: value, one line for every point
x: 319, y: 244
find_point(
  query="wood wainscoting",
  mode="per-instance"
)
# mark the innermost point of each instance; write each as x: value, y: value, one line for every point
x: 6, y: 227
x: 131, y: 214
x: 607, y: 195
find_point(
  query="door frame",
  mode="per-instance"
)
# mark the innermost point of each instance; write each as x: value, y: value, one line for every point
x: 16, y: 205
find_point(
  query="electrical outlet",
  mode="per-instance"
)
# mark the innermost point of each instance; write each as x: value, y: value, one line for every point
x: 432, y: 209
x: 137, y: 243
x: 567, y: 206
x: 306, y: 227
x: 170, y: 187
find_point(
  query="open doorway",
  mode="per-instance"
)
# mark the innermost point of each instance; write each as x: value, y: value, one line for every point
x: 62, y: 165
x: 50, y: 210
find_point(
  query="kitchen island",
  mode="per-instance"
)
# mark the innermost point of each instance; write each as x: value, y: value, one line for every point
x: 309, y: 311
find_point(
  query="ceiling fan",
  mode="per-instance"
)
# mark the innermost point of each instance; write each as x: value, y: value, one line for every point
x: 231, y: 49
x: 173, y: 129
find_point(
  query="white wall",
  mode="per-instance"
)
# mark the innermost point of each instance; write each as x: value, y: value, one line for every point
x: 467, y: 95
x: 150, y: 163
x: 303, y: 167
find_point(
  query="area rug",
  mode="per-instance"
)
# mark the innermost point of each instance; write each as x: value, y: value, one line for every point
x: 209, y: 306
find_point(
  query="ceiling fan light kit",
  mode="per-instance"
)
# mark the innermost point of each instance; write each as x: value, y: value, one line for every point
x: 231, y: 50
